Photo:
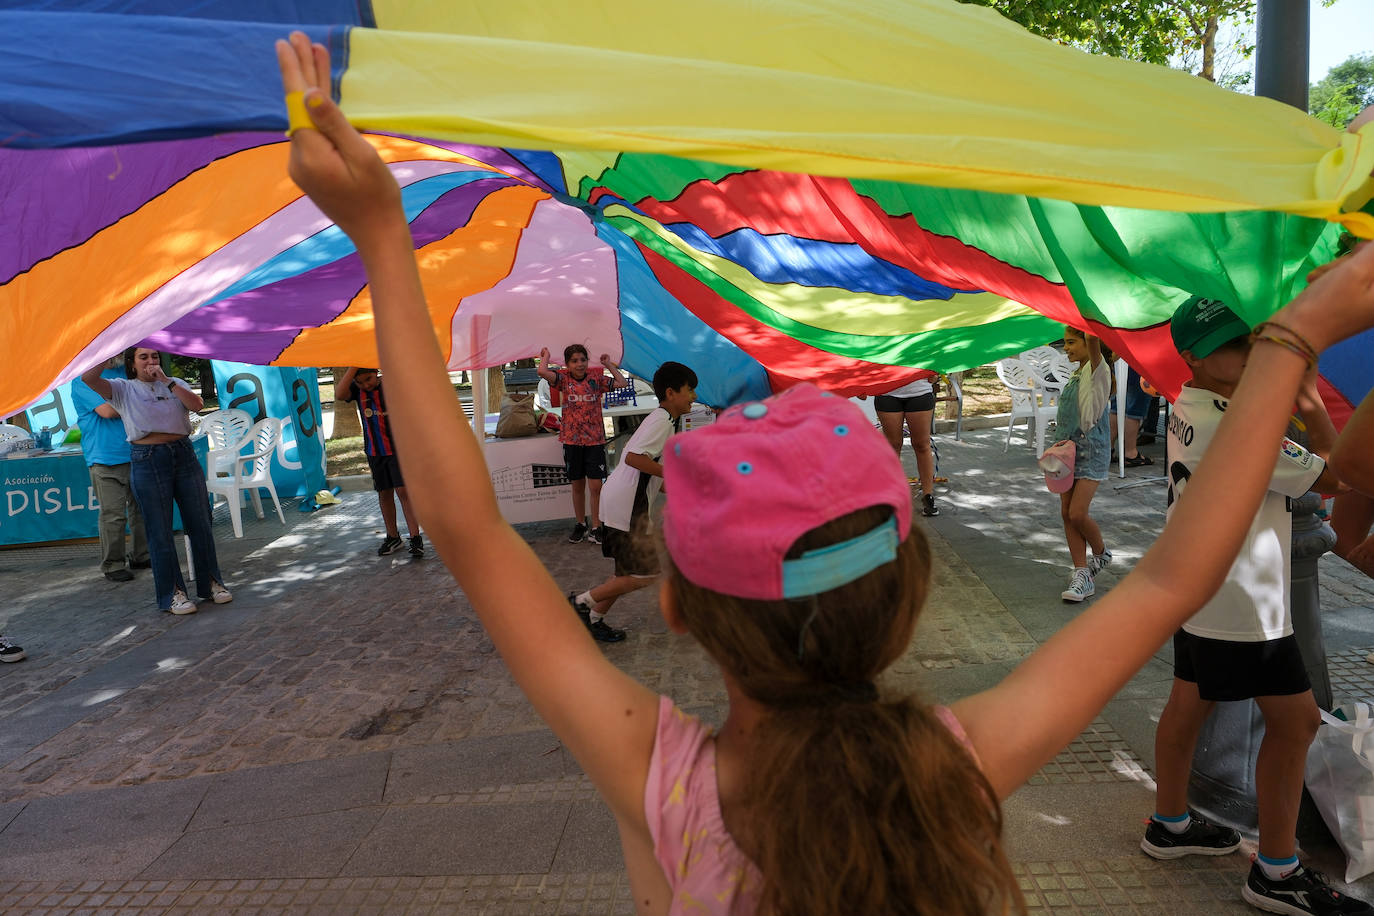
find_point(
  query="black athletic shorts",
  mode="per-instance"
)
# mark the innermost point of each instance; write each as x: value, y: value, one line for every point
x: 886, y: 403
x: 634, y: 552
x: 386, y: 472
x: 1225, y: 670
x: 585, y: 461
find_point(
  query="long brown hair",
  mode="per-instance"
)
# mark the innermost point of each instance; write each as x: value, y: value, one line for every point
x: 881, y: 809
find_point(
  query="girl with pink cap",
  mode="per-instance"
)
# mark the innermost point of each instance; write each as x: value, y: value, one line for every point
x: 821, y: 793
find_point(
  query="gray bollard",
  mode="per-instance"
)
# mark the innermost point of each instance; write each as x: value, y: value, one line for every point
x: 1222, y: 784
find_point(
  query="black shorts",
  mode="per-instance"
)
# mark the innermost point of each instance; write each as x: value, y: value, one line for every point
x: 1225, y: 670
x: 386, y: 472
x: 634, y: 552
x: 886, y: 403
x: 585, y: 461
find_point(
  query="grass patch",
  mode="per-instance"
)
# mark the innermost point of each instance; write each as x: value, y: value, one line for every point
x: 345, y: 457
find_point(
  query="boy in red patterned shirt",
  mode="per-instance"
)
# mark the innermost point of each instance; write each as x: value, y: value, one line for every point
x: 583, y: 432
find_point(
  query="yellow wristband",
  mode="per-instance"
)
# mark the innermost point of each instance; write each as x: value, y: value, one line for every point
x: 296, y: 115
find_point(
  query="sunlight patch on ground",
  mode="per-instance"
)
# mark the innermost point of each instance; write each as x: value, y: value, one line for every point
x: 103, y: 696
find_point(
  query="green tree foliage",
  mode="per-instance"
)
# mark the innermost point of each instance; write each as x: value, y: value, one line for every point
x: 1157, y: 31
x: 1344, y: 91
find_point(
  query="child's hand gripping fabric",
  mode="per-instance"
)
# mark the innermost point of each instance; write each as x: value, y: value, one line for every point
x: 332, y: 163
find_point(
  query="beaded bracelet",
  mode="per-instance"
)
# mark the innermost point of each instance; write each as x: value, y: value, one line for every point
x: 1287, y: 344
x: 1309, y: 351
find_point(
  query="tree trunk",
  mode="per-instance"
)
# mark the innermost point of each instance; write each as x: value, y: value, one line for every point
x: 496, y: 389
x: 346, y: 422
x: 1209, y: 50
x: 208, y: 391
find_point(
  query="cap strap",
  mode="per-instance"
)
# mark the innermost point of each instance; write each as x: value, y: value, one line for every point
x: 830, y: 567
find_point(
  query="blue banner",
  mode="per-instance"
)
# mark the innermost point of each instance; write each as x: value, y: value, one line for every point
x: 293, y: 396
x: 47, y: 498
x: 55, y: 411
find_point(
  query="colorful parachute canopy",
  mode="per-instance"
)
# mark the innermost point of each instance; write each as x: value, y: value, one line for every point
x: 769, y: 191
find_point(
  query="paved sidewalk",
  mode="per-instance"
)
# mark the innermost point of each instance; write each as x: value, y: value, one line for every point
x: 343, y: 738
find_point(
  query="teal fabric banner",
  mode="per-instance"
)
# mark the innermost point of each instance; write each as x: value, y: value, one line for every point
x: 55, y: 411
x: 293, y: 396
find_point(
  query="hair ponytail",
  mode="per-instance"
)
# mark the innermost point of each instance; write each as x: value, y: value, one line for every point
x: 852, y: 803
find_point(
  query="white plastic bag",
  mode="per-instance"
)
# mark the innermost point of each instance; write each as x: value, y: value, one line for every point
x: 1340, y: 777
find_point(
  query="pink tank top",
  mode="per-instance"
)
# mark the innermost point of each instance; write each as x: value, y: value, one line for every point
x: 707, y: 872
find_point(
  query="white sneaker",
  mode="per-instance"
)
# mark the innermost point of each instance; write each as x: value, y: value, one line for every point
x: 1098, y: 562
x: 1080, y: 586
x: 181, y: 604
x: 219, y: 594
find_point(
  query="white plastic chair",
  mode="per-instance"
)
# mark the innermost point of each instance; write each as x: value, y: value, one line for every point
x: 1021, y: 383
x: 224, y: 431
x: 1051, y: 369
x: 248, y: 473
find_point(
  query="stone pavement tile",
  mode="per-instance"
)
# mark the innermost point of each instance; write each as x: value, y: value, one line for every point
x: 590, y: 841
x: 290, y: 790
x: 8, y: 812
x: 475, y: 764
x: 315, y: 845
x: 106, y: 834
x: 1134, y: 719
x: 1196, y: 886
x: 1077, y: 820
x: 1345, y: 627
x: 460, y: 839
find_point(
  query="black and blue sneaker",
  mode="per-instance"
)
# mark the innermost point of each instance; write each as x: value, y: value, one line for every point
x: 1200, y: 839
x: 1298, y: 893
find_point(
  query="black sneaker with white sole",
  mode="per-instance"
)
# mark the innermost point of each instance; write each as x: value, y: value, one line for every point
x: 1200, y: 839
x: 390, y: 546
x: 417, y: 546
x: 578, y: 534
x: 1298, y: 893
x: 9, y: 652
x: 928, y: 507
x: 603, y: 632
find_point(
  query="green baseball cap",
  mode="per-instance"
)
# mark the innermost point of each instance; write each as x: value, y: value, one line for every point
x: 1201, y: 325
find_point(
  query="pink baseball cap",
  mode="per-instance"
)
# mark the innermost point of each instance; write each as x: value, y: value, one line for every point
x: 743, y: 489
x: 1057, y: 463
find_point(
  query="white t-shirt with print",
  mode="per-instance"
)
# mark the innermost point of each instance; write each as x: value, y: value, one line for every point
x: 1253, y: 603
x: 618, y: 493
x: 149, y: 407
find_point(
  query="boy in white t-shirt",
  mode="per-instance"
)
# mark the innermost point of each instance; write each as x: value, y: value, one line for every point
x: 1240, y: 645
x: 625, y: 502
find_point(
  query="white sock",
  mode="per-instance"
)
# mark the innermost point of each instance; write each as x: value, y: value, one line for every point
x: 1175, y: 827
x: 595, y: 617
x: 586, y: 600
x: 1273, y: 869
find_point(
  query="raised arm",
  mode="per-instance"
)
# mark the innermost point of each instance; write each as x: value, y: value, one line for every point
x: 98, y: 383
x: 1041, y: 706
x: 619, y: 377
x: 1094, y: 350
x: 543, y: 369
x: 343, y: 387
x: 546, y: 648
x: 1321, y: 432
x: 1352, y: 458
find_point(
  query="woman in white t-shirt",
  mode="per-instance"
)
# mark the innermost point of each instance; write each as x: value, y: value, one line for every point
x: 164, y: 470
x: 912, y: 405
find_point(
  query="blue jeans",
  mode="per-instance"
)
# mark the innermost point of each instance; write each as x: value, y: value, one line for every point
x: 158, y: 475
